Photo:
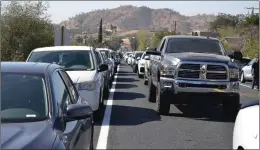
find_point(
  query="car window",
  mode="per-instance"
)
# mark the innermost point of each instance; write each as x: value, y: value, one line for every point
x: 138, y: 55
x: 71, y: 88
x: 101, y: 57
x: 182, y: 45
x: 251, y: 62
x: 145, y: 55
x: 60, y: 92
x: 69, y: 59
x: 98, y: 58
x: 23, y: 96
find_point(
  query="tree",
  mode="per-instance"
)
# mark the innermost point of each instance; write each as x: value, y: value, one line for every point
x: 24, y: 27
x: 158, y: 37
x: 143, y: 39
x: 225, y: 20
x: 100, y: 32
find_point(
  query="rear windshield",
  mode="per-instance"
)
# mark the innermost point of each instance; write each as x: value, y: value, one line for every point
x: 182, y: 45
x: 23, y: 97
x: 70, y: 60
x: 138, y: 55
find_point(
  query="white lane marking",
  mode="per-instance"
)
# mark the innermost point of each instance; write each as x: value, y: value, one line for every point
x: 103, y: 135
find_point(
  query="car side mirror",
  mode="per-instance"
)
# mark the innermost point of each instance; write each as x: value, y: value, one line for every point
x: 147, y: 58
x: 102, y: 67
x: 77, y: 112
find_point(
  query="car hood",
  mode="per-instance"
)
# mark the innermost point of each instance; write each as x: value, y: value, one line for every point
x: 81, y: 76
x: 32, y: 135
x: 198, y: 57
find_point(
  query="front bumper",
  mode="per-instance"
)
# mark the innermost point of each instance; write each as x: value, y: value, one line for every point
x: 189, y: 86
x: 92, y: 98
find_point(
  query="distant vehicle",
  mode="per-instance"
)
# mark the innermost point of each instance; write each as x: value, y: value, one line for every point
x: 129, y: 59
x: 83, y: 68
x: 41, y: 109
x: 186, y: 66
x: 106, y: 74
x: 108, y: 62
x: 135, y: 61
x: 246, y: 72
x: 126, y: 56
x: 246, y: 128
x: 109, y: 54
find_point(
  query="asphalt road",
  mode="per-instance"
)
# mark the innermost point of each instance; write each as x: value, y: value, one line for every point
x: 130, y: 121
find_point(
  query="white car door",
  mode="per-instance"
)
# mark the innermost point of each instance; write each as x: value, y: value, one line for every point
x: 248, y: 69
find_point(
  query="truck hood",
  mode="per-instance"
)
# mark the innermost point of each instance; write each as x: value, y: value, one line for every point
x: 81, y: 76
x: 32, y: 135
x: 198, y: 57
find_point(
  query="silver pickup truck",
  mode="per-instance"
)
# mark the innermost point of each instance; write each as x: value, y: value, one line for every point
x: 184, y: 67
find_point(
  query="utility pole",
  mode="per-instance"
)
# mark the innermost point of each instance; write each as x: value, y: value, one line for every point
x: 175, y: 25
x: 252, y: 8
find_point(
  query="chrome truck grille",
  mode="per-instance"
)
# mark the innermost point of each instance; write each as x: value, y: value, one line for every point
x: 202, y: 71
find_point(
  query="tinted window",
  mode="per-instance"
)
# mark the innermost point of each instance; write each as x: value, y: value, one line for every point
x: 23, y: 96
x: 71, y: 88
x: 61, y: 94
x: 74, y: 60
x: 252, y: 61
x: 138, y: 55
x: 98, y: 58
x: 182, y: 45
x: 105, y: 53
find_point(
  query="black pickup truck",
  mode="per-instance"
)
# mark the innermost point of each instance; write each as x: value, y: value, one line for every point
x: 184, y: 67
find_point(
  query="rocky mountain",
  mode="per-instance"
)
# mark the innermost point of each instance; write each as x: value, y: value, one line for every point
x: 127, y: 18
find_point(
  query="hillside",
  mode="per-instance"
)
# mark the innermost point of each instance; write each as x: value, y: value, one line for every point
x: 128, y: 18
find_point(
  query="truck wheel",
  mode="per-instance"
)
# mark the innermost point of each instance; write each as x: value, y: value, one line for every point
x: 163, y: 100
x: 152, y: 90
x: 231, y: 106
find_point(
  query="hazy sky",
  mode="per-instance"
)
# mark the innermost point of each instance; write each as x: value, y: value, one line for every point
x: 62, y: 10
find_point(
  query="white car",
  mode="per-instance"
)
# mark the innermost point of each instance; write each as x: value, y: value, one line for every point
x: 246, y: 129
x: 246, y: 72
x: 141, y: 64
x: 126, y: 56
x: 129, y: 59
x: 106, y: 52
x: 81, y: 65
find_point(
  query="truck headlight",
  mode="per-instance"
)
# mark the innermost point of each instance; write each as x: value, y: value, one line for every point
x: 168, y: 70
x: 234, y: 73
x: 90, y: 86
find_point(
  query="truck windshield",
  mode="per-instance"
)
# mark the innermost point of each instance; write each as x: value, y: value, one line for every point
x: 185, y: 45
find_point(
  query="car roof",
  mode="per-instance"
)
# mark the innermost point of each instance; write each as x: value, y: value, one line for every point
x: 102, y: 49
x: 139, y: 51
x: 63, y: 48
x: 27, y: 67
x: 190, y: 37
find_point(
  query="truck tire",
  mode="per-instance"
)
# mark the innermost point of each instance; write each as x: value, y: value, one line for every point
x: 230, y: 106
x: 152, y: 90
x: 162, y: 100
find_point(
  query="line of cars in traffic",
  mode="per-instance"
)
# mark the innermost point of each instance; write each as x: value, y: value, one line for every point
x: 52, y: 100
x: 186, y: 66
